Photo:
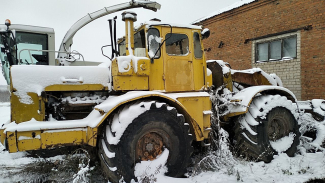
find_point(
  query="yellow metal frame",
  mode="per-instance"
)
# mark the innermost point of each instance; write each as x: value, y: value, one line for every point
x: 193, y: 108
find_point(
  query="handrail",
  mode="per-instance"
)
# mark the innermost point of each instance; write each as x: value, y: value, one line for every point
x: 31, y: 58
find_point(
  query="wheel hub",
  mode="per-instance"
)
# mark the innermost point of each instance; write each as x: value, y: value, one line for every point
x: 276, y: 129
x: 149, y: 146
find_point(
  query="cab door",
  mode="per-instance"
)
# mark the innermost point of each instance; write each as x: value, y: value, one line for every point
x: 178, y: 67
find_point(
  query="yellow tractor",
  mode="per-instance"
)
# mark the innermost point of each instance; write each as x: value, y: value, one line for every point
x: 152, y: 95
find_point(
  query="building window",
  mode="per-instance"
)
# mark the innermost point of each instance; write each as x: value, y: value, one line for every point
x: 277, y: 49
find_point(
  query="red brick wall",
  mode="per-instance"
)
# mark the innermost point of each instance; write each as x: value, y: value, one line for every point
x: 265, y: 17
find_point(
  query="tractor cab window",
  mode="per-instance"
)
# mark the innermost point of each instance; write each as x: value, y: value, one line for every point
x: 140, y: 44
x: 122, y: 48
x: 29, y: 47
x: 154, y: 41
x: 197, y: 45
x: 177, y: 44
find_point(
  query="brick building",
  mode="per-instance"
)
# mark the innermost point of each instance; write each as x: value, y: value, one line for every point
x: 286, y: 37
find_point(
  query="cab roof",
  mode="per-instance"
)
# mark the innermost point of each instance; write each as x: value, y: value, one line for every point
x: 27, y: 28
x: 188, y: 26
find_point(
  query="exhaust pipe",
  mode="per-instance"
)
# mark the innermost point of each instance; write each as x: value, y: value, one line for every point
x: 129, y: 18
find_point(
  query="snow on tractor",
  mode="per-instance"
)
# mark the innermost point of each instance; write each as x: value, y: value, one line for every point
x: 153, y: 95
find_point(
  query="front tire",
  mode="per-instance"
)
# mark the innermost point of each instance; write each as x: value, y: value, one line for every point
x: 144, y: 139
x: 268, y: 128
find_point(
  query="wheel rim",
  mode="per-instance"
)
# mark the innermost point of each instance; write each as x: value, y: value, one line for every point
x: 278, y: 127
x: 150, y: 145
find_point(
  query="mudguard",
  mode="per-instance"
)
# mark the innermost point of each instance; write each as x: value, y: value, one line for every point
x: 200, y: 123
x: 243, y: 98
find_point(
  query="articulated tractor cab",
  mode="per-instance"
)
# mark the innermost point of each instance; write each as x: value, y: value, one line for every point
x: 151, y: 97
x: 25, y: 45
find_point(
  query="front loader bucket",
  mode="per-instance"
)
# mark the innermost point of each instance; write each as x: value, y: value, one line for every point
x: 4, y: 93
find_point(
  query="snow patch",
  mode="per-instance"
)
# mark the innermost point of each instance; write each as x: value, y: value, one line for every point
x: 204, y: 31
x: 124, y: 63
x: 207, y: 112
x: 122, y: 120
x: 277, y: 79
x: 150, y: 169
x: 96, y: 99
x: 244, y: 97
x: 28, y: 138
x: 107, y: 152
x: 130, y: 15
x: 91, y: 120
x: 247, y: 127
x: 149, y: 24
x: 283, y: 144
x: 319, y: 106
x: 209, y: 72
x: 266, y: 103
x: 35, y: 78
x: 308, y: 123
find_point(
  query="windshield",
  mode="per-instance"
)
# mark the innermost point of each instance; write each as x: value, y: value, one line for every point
x: 27, y: 44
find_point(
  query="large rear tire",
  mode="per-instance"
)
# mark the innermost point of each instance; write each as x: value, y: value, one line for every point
x: 268, y: 128
x: 144, y: 139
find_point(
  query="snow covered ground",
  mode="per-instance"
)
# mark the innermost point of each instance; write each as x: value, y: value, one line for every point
x: 226, y: 168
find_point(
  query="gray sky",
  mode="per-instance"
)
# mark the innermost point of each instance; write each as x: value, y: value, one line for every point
x: 61, y: 14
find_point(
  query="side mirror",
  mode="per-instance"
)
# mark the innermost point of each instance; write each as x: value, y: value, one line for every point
x: 205, y: 33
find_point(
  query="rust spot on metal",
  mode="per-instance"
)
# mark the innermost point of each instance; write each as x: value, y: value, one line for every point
x: 254, y: 79
x: 149, y: 146
x: 100, y: 111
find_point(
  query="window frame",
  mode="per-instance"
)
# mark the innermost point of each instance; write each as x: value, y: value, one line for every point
x: 182, y: 55
x: 269, y: 41
x: 46, y: 45
x: 200, y: 41
x: 139, y: 34
x: 147, y: 42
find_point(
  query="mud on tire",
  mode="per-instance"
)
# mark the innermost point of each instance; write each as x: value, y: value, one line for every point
x: 270, y: 120
x: 146, y: 136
